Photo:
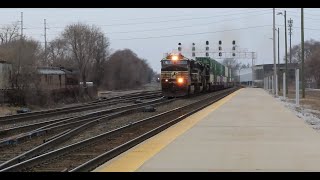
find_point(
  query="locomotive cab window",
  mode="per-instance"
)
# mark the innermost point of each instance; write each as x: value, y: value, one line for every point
x: 168, y: 62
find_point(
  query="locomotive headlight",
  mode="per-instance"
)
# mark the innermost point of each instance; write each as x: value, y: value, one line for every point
x: 174, y: 58
x: 166, y: 80
x: 180, y: 80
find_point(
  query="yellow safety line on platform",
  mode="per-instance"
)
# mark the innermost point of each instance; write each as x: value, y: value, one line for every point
x: 134, y: 158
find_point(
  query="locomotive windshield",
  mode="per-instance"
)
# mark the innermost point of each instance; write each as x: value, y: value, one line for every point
x: 169, y: 62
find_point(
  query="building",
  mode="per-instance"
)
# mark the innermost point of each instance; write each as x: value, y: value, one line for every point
x: 51, y: 78
x: 5, y: 74
x: 56, y: 78
x: 265, y: 70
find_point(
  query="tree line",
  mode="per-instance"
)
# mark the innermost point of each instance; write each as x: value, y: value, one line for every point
x: 80, y: 46
x: 311, y: 59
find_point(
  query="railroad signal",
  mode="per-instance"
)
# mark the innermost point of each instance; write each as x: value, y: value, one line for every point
x: 179, y: 48
x: 207, y: 48
x: 220, y: 48
x: 234, y: 42
x: 220, y: 42
x: 220, y: 53
x: 233, y: 48
x: 193, y: 49
x: 233, y: 54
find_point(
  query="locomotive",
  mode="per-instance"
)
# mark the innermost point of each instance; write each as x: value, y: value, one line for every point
x: 181, y: 76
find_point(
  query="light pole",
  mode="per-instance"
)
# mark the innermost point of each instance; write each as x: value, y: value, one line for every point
x: 290, y: 21
x: 302, y: 55
x: 278, y: 59
x: 275, y: 90
x: 285, y: 40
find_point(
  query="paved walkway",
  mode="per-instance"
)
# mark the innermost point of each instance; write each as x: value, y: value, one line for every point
x: 247, y: 131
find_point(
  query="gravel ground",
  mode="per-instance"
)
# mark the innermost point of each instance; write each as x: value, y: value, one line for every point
x: 310, y: 116
x: 8, y: 152
x: 124, y: 120
x: 62, y: 116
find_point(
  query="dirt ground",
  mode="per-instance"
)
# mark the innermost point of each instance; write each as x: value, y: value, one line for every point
x: 6, y: 110
x: 311, y: 101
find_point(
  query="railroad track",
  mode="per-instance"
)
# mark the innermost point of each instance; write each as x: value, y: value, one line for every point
x: 65, y: 130
x: 12, y: 136
x: 90, y: 153
x: 13, y: 119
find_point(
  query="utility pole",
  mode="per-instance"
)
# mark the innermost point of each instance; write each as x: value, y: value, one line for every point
x: 290, y: 33
x: 278, y: 48
x: 285, y: 32
x: 278, y: 60
x: 20, y: 49
x: 45, y: 42
x: 302, y: 55
x: 275, y: 91
x: 252, y: 69
x: 21, y: 25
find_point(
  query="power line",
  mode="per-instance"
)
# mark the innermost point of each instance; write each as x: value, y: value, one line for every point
x: 153, y: 22
x: 175, y: 27
x: 193, y: 33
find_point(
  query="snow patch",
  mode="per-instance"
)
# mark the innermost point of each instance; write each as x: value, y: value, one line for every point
x: 310, y: 116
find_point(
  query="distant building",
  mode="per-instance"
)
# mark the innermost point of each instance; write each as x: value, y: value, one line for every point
x: 55, y: 78
x: 5, y: 74
x: 51, y: 78
x: 265, y: 70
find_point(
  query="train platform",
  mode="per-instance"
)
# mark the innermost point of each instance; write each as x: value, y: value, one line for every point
x: 248, y: 130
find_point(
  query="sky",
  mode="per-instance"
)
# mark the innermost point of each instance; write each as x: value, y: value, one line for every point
x: 152, y: 32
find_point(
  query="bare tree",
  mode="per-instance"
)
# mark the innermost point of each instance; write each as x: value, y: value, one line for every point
x: 22, y: 77
x: 9, y: 33
x: 313, y: 66
x: 82, y: 40
x: 101, y: 54
x: 58, y: 54
x: 310, y: 46
x: 232, y: 64
x: 125, y: 70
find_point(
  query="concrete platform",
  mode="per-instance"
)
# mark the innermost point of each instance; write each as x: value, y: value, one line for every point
x: 247, y: 131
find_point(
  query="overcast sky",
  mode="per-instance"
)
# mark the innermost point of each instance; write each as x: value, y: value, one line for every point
x: 151, y: 32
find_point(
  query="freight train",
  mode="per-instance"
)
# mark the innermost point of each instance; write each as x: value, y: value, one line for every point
x: 181, y: 76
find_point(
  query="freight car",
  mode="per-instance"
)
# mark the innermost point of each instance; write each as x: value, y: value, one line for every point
x: 181, y: 76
